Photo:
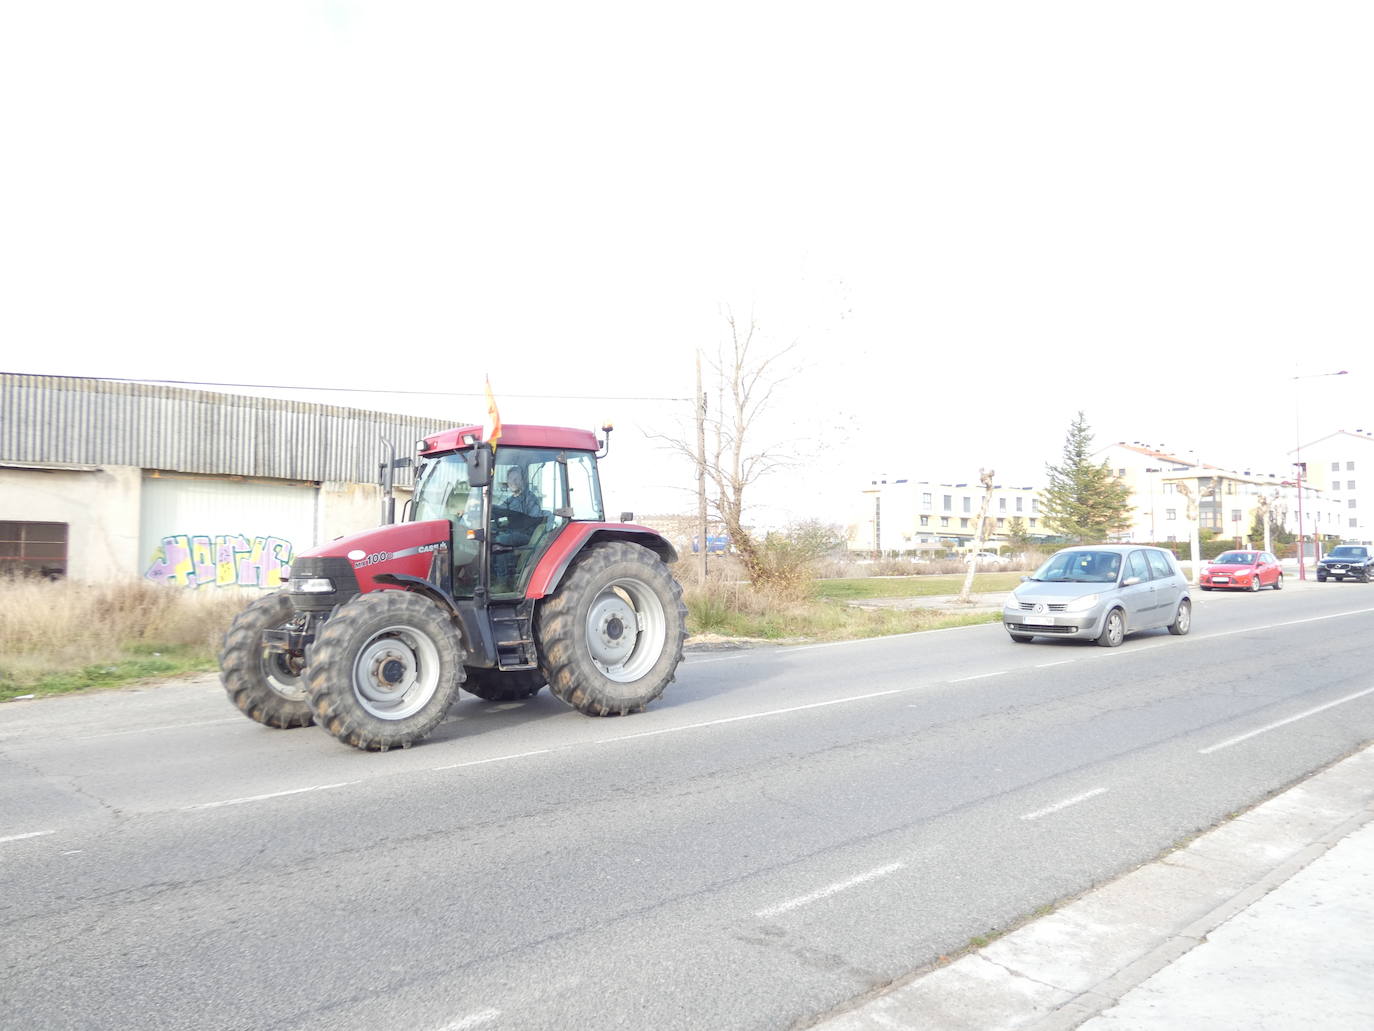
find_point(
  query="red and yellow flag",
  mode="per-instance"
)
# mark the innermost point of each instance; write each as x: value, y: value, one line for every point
x: 492, y: 429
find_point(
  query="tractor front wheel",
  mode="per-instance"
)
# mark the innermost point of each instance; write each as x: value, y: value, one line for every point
x: 611, y: 637
x: 494, y: 685
x: 384, y: 670
x: 266, y: 685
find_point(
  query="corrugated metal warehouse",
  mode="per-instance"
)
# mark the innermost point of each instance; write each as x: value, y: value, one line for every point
x: 107, y: 480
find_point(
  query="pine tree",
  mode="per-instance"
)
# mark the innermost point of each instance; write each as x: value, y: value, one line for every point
x: 1084, y: 502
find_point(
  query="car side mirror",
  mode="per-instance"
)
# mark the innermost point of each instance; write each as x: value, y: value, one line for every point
x: 1131, y: 581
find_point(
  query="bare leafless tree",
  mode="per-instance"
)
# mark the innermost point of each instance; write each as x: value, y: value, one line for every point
x: 985, y: 478
x: 744, y: 377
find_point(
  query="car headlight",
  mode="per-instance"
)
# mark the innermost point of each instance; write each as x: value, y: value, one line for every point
x: 1082, y: 604
x: 1012, y: 602
x: 315, y: 585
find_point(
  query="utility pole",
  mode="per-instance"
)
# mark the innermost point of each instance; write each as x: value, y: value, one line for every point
x: 701, y: 469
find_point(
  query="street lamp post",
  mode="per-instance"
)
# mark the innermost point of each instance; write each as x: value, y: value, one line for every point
x: 1149, y: 472
x: 1300, y: 464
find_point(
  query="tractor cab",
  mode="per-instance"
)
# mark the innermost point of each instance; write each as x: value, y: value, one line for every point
x: 516, y: 500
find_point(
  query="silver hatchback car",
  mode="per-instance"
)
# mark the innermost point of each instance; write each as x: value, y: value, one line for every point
x: 1100, y: 592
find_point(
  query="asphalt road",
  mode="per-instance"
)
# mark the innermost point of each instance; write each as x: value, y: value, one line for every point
x: 788, y: 830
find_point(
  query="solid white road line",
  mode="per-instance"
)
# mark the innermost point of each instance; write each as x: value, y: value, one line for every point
x: 477, y: 1019
x: 978, y: 676
x: 493, y: 759
x: 826, y: 892
x: 260, y: 798
x: 21, y: 837
x: 1064, y: 804
x: 751, y: 716
x: 1283, y: 723
x: 168, y: 726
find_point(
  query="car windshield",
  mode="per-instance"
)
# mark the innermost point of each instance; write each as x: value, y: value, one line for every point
x: 1348, y: 551
x: 1092, y: 567
x: 1236, y: 558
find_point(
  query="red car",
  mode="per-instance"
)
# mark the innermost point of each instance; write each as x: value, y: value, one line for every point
x: 1245, y: 570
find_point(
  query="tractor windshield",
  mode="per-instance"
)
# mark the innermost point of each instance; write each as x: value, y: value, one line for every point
x: 534, y: 492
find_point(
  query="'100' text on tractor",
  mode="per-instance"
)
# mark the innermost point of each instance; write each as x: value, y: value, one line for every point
x: 504, y: 578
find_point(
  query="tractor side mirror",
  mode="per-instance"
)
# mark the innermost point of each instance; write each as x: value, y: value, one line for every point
x: 479, y: 461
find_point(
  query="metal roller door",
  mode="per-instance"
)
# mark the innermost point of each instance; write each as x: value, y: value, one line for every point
x: 205, y: 532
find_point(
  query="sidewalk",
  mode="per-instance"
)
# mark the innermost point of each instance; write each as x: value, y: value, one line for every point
x: 1264, y: 924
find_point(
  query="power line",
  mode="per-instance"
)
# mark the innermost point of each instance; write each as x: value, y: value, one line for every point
x: 364, y: 390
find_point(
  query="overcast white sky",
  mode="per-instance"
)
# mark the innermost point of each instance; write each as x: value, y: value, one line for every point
x: 973, y: 219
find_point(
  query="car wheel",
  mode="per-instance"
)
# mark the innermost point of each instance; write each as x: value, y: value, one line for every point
x: 1255, y: 584
x: 1321, y: 579
x: 1183, y: 619
x: 1278, y: 582
x: 1113, y: 629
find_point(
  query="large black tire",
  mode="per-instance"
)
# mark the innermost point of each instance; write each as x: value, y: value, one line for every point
x: 611, y: 637
x: 494, y: 685
x: 265, y: 685
x: 384, y: 670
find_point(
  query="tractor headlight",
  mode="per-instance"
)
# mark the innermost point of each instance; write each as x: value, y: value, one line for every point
x: 314, y: 585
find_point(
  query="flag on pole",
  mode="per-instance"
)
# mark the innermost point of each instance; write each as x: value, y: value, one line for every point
x: 492, y: 429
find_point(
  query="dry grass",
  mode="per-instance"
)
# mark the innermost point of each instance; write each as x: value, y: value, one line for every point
x: 56, y: 634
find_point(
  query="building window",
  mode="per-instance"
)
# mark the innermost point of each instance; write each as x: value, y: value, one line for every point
x: 1001, y: 504
x: 1350, y: 485
x: 1171, y: 513
x: 968, y: 504
x: 944, y: 520
x: 1335, y: 467
x: 1171, y: 488
x: 963, y: 524
x: 1001, y: 522
x: 1350, y: 503
x: 925, y: 500
x: 949, y: 502
x: 1035, y: 504
x: 1121, y: 472
x: 925, y: 520
x: 1350, y: 467
x: 35, y: 549
x: 1354, y: 521
x: 1032, y: 524
x: 1018, y: 503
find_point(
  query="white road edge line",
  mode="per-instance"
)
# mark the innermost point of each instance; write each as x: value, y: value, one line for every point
x: 21, y: 837
x: 1064, y: 804
x: 1047, y: 665
x: 1282, y: 723
x: 979, y: 676
x: 260, y: 798
x: 493, y: 759
x: 751, y: 716
x: 473, y: 1020
x: 149, y: 730
x: 826, y: 892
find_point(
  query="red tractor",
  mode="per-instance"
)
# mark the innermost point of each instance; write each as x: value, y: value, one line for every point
x: 505, y: 577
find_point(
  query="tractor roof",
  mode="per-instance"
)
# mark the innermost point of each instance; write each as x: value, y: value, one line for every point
x: 513, y: 436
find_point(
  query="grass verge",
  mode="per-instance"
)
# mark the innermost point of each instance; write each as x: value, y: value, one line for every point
x: 60, y: 637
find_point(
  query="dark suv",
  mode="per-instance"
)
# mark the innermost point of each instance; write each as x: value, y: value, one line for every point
x: 1352, y: 560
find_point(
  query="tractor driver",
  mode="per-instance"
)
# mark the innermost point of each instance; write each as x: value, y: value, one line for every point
x: 509, y: 537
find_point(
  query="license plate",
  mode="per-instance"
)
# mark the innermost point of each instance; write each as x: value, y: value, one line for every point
x: 1040, y: 620
x: 1221, y: 579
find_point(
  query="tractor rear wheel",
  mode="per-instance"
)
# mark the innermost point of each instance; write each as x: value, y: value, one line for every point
x: 384, y: 670
x: 611, y: 637
x: 265, y: 685
x: 494, y: 685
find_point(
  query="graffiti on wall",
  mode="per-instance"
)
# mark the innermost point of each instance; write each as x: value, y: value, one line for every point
x: 229, y: 560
